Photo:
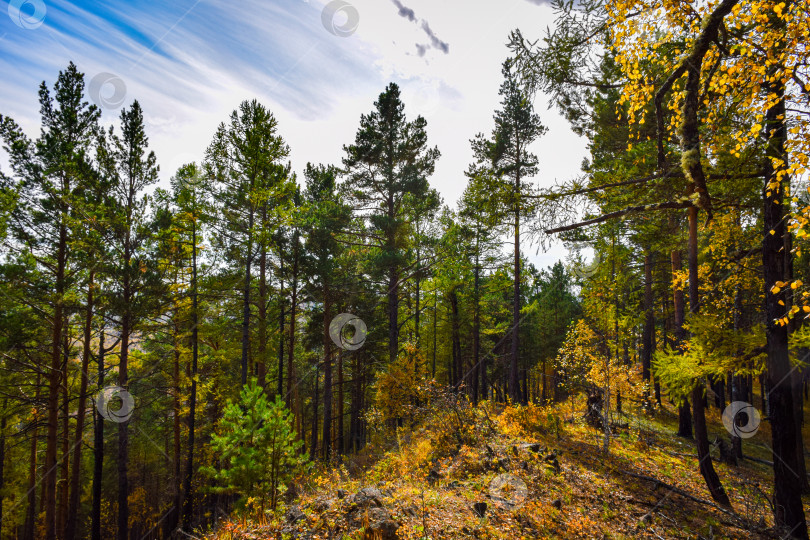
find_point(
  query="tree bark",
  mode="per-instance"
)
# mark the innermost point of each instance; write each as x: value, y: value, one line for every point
x: 291, y: 338
x: 393, y: 315
x: 435, y: 325
x: 514, y: 389
x: 281, y: 329
x: 418, y: 283
x: 246, y: 301
x: 98, y: 447
x: 788, y: 511
x: 684, y: 412
x: 737, y: 391
x: 340, y: 406
x: 327, y: 375
x: 261, y: 316
x: 29, y: 529
x: 456, y: 337
x: 795, y: 376
x: 177, y: 488
x: 649, y: 321
x: 313, y: 447
x: 701, y: 434
x: 188, y: 493
x: 75, y: 487
x: 123, y: 432
x: 64, y: 461
x: 54, y: 380
x: 2, y: 459
x: 477, y: 331
x: 355, y: 407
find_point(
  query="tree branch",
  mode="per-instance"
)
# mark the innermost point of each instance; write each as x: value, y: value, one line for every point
x: 619, y: 213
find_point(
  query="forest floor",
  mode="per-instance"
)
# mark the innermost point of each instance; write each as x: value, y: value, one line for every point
x: 426, y: 484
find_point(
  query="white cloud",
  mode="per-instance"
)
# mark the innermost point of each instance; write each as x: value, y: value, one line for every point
x: 189, y: 69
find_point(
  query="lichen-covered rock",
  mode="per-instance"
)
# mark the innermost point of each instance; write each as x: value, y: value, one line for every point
x: 368, y: 496
x: 294, y: 515
x: 379, y: 523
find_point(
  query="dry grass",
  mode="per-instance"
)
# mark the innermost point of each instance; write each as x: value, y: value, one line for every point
x: 431, y: 483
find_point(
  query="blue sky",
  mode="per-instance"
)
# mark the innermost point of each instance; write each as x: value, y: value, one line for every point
x: 316, y: 64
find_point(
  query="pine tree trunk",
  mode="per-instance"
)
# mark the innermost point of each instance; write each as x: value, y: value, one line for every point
x: 54, y: 380
x: 291, y: 339
x: 177, y: 493
x: 393, y: 315
x: 684, y: 412
x: 98, y: 447
x: 313, y: 447
x: 29, y: 529
x: 435, y: 325
x: 246, y: 301
x: 281, y: 330
x: 514, y: 389
x: 355, y: 407
x: 457, y: 373
x: 340, y: 442
x: 261, y: 346
x: 737, y: 391
x: 2, y: 460
x: 64, y: 461
x: 188, y: 494
x: 327, y: 375
x: 477, y: 334
x: 75, y: 486
x: 649, y: 321
x: 393, y: 286
x: 123, y: 432
x: 418, y: 284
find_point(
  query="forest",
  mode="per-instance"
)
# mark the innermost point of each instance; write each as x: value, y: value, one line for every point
x: 249, y: 352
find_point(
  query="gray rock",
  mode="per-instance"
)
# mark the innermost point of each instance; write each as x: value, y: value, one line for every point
x: 294, y: 515
x: 530, y: 447
x: 551, y: 460
x: 368, y: 496
x: 378, y: 523
x: 322, y: 505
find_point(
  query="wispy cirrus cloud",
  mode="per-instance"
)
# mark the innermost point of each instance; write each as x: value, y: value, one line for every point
x: 191, y: 62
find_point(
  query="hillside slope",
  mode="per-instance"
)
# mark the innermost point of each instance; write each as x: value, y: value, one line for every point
x: 527, y: 472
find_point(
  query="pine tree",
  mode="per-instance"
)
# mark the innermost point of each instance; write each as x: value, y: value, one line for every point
x: 245, y: 160
x: 326, y: 215
x: 508, y: 156
x: 389, y: 160
x: 130, y: 167
x: 259, y: 450
x: 50, y: 171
